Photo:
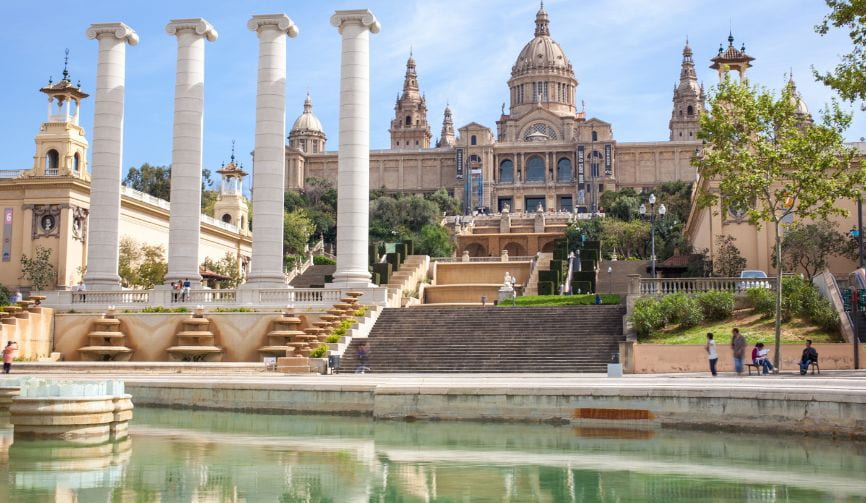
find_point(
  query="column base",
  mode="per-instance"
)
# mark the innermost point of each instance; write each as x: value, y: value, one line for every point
x: 264, y: 281
x: 354, y: 279
x: 108, y: 282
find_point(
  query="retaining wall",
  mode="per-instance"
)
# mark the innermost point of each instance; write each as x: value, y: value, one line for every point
x: 32, y: 330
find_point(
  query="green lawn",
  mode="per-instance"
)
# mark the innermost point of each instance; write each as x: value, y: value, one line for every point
x: 753, y: 327
x: 561, y: 300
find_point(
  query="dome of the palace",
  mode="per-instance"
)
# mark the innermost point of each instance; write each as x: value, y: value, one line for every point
x: 307, y: 121
x: 797, y: 99
x: 542, y: 52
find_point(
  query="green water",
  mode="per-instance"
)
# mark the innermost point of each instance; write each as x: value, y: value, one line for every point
x: 217, y: 456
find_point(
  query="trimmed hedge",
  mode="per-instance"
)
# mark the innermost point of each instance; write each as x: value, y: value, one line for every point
x: 545, y: 288
x: 383, y: 271
x: 716, y: 305
x: 581, y: 287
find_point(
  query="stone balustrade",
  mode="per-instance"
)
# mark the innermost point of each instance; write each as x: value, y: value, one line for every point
x: 65, y: 300
x: 663, y: 286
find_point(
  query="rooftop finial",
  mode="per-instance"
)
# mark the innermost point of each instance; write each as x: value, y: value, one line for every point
x: 541, y: 22
x: 65, y: 64
x: 233, y: 152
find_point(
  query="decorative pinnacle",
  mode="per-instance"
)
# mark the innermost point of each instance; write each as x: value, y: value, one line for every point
x: 233, y: 152
x: 65, y: 65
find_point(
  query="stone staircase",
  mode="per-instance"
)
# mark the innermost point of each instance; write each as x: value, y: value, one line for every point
x: 491, y: 339
x: 542, y: 265
x: 313, y: 277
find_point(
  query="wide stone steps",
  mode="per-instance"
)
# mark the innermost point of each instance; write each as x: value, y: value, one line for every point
x: 491, y: 339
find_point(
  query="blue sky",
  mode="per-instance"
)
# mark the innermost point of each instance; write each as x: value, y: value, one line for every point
x: 626, y: 56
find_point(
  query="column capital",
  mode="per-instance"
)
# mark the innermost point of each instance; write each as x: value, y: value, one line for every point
x: 281, y: 22
x: 357, y: 16
x: 118, y: 30
x: 197, y: 24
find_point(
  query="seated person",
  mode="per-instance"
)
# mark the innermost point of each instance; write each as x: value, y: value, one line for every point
x: 759, y: 358
x: 809, y: 355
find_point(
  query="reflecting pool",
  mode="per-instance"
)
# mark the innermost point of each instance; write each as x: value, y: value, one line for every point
x: 176, y: 455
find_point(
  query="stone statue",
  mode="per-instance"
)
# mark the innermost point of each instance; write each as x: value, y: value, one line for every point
x: 509, y: 280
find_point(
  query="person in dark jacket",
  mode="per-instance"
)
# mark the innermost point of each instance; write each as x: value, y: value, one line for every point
x: 809, y: 355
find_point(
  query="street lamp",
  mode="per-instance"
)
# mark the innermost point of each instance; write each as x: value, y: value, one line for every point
x: 609, y: 282
x: 652, y: 216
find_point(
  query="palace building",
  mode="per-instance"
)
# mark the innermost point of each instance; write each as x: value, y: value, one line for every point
x: 544, y: 150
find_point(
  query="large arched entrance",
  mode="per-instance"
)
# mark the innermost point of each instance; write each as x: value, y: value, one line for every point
x: 476, y: 250
x: 515, y: 250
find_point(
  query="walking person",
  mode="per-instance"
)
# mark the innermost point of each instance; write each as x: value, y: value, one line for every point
x: 363, y: 355
x: 712, y: 354
x: 18, y: 297
x: 8, y: 355
x: 738, y: 346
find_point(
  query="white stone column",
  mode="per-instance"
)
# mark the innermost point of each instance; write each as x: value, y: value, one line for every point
x: 107, y: 147
x: 185, y: 216
x: 353, y: 161
x: 269, y: 157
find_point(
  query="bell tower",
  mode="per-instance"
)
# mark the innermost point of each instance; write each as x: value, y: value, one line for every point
x: 61, y: 145
x: 409, y: 129
x: 688, y: 101
x: 231, y: 205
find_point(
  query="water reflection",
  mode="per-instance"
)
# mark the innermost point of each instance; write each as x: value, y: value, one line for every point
x: 218, y: 456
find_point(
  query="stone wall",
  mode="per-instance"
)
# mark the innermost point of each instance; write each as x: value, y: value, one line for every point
x: 450, y: 273
x: 665, y: 358
x: 32, y: 331
x: 150, y: 334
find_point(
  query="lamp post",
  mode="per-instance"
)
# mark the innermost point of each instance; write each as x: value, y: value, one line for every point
x: 652, y: 216
x: 609, y: 277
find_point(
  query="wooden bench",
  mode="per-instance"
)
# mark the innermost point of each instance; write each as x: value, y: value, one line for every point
x: 814, y: 366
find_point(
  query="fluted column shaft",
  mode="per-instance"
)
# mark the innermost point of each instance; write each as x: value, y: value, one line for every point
x: 353, y: 160
x: 103, y: 238
x: 186, y: 151
x: 269, y: 158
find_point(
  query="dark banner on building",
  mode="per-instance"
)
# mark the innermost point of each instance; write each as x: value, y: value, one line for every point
x: 459, y: 159
x: 7, y: 235
x: 608, y: 154
x: 580, y: 159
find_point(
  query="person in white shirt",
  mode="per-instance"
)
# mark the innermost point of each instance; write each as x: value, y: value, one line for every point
x: 712, y: 355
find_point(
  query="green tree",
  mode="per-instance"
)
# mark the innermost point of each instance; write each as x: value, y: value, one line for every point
x: 39, y: 270
x: 849, y: 76
x: 141, y: 265
x: 810, y: 246
x: 677, y: 197
x: 153, y: 180
x: 297, y: 229
x: 728, y: 262
x: 228, y: 266
x: 435, y: 241
x: 626, y: 239
x: 447, y: 203
x: 769, y: 161
x: 624, y: 208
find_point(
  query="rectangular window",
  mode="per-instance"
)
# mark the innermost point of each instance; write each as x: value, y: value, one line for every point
x: 534, y: 92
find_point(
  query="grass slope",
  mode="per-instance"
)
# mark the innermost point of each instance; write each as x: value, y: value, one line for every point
x: 752, y: 326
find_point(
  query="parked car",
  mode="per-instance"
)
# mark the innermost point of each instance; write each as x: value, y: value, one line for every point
x: 753, y: 279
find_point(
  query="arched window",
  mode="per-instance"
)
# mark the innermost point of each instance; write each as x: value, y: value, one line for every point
x: 535, y: 169
x: 690, y: 110
x: 563, y: 170
x: 506, y: 171
x: 408, y: 120
x: 52, y: 161
x: 473, y: 140
x: 594, y: 136
x: 227, y: 218
x: 76, y: 162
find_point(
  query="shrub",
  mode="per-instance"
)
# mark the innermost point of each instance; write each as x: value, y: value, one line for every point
x: 323, y: 260
x: 762, y: 300
x: 682, y: 309
x: 5, y: 296
x: 319, y: 352
x: 161, y: 309
x: 332, y: 338
x: 716, y: 305
x: 648, y: 316
x: 361, y: 311
x: 342, y: 328
x: 233, y: 310
x: 560, y: 300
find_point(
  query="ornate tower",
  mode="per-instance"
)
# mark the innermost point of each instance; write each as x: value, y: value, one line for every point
x: 446, y: 137
x: 688, y: 101
x: 410, y: 129
x: 231, y: 205
x: 61, y: 146
x: 307, y: 134
x: 800, y: 105
x: 732, y: 59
